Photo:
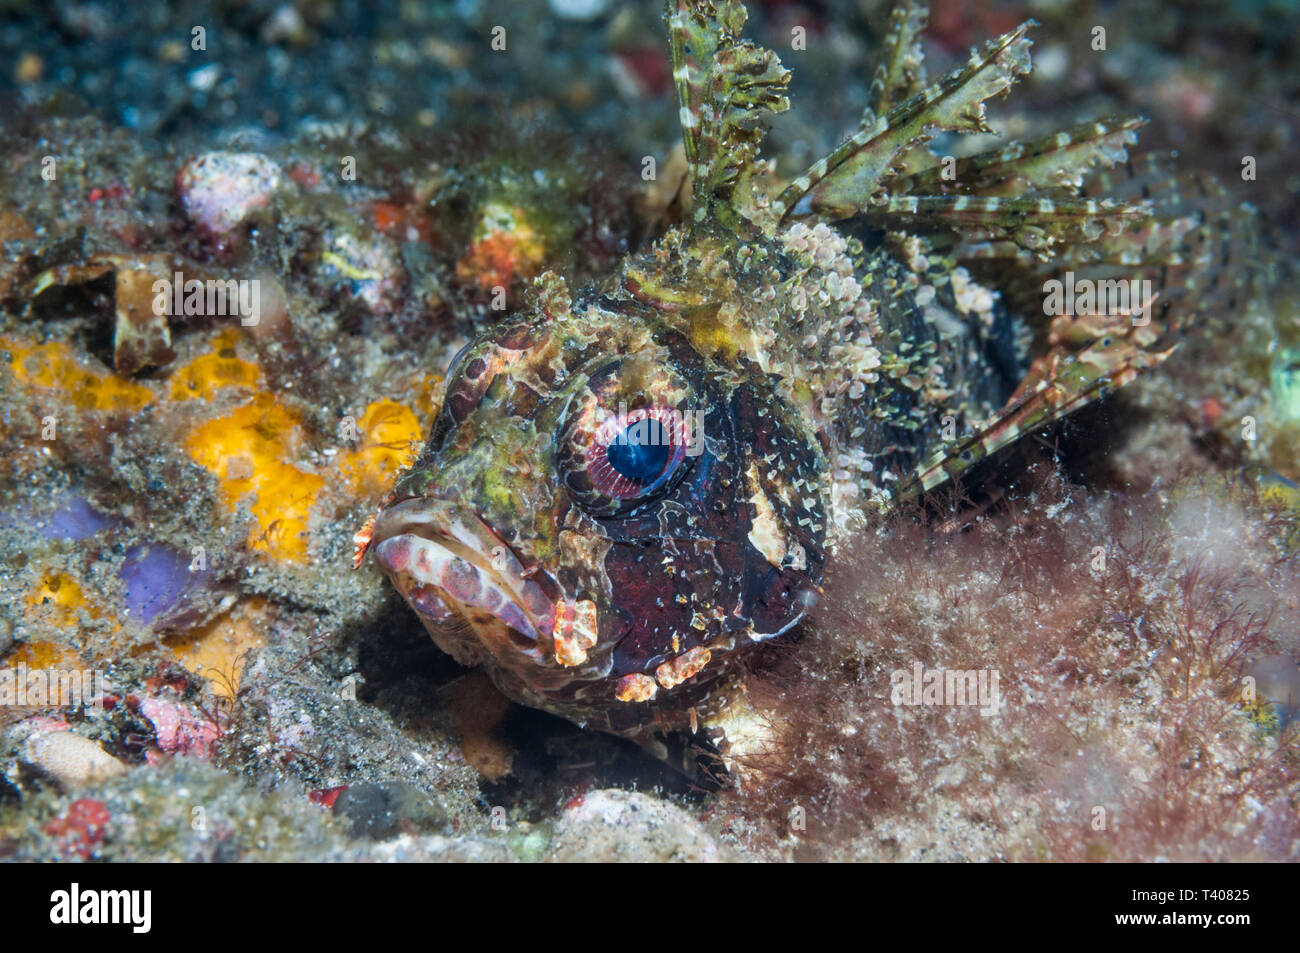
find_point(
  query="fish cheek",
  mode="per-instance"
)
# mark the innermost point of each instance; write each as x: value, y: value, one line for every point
x: 678, y: 573
x: 658, y: 605
x: 676, y: 569
x: 785, y: 536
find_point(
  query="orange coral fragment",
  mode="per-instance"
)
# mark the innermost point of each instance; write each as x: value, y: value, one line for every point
x: 218, y: 650
x: 387, y: 215
x: 209, y: 373
x: 44, y: 655
x: 59, y: 600
x: 428, y: 396
x: 54, y: 367
x: 505, y: 249
x: 389, y: 436
x: 247, y: 450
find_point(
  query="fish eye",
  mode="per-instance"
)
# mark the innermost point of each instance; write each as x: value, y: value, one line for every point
x: 612, y: 463
x: 629, y: 436
x: 633, y: 456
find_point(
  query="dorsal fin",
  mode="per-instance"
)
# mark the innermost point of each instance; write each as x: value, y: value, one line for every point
x: 1054, y: 162
x: 726, y: 88
x: 1193, y: 258
x: 1022, y: 197
x: 900, y: 74
x: 851, y: 177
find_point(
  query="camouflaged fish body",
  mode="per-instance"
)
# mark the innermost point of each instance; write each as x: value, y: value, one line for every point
x: 630, y: 484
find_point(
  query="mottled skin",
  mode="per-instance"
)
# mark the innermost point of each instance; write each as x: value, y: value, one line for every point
x: 677, y: 571
x: 820, y: 380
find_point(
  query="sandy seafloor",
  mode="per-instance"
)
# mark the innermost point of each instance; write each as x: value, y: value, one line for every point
x: 177, y: 500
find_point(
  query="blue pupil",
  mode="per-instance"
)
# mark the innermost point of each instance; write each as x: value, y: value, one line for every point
x: 641, y: 451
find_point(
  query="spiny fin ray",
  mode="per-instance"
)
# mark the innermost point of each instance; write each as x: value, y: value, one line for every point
x: 1061, y: 160
x: 1064, y: 379
x: 848, y: 179
x: 901, y: 73
x: 1039, y: 226
x: 726, y: 87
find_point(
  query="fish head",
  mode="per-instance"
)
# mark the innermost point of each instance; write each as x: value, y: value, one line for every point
x: 604, y: 512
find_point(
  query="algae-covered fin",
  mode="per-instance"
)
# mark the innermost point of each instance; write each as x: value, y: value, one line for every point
x: 851, y: 177
x: 726, y: 87
x: 901, y: 72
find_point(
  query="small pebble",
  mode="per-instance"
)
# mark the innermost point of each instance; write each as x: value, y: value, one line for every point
x: 387, y: 809
x: 71, y: 760
x: 30, y: 69
x: 220, y: 190
x: 579, y: 9
x: 285, y: 25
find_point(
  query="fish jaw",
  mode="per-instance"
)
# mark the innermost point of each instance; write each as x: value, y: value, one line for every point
x: 450, y: 565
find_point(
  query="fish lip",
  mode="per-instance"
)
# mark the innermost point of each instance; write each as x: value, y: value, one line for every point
x: 424, y: 542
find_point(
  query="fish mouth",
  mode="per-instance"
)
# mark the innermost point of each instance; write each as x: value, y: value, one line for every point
x: 448, y: 563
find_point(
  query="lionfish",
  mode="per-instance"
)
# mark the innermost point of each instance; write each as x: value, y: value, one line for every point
x: 632, y: 484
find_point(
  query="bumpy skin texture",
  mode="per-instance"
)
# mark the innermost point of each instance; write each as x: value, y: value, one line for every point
x: 727, y: 551
x: 802, y: 380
